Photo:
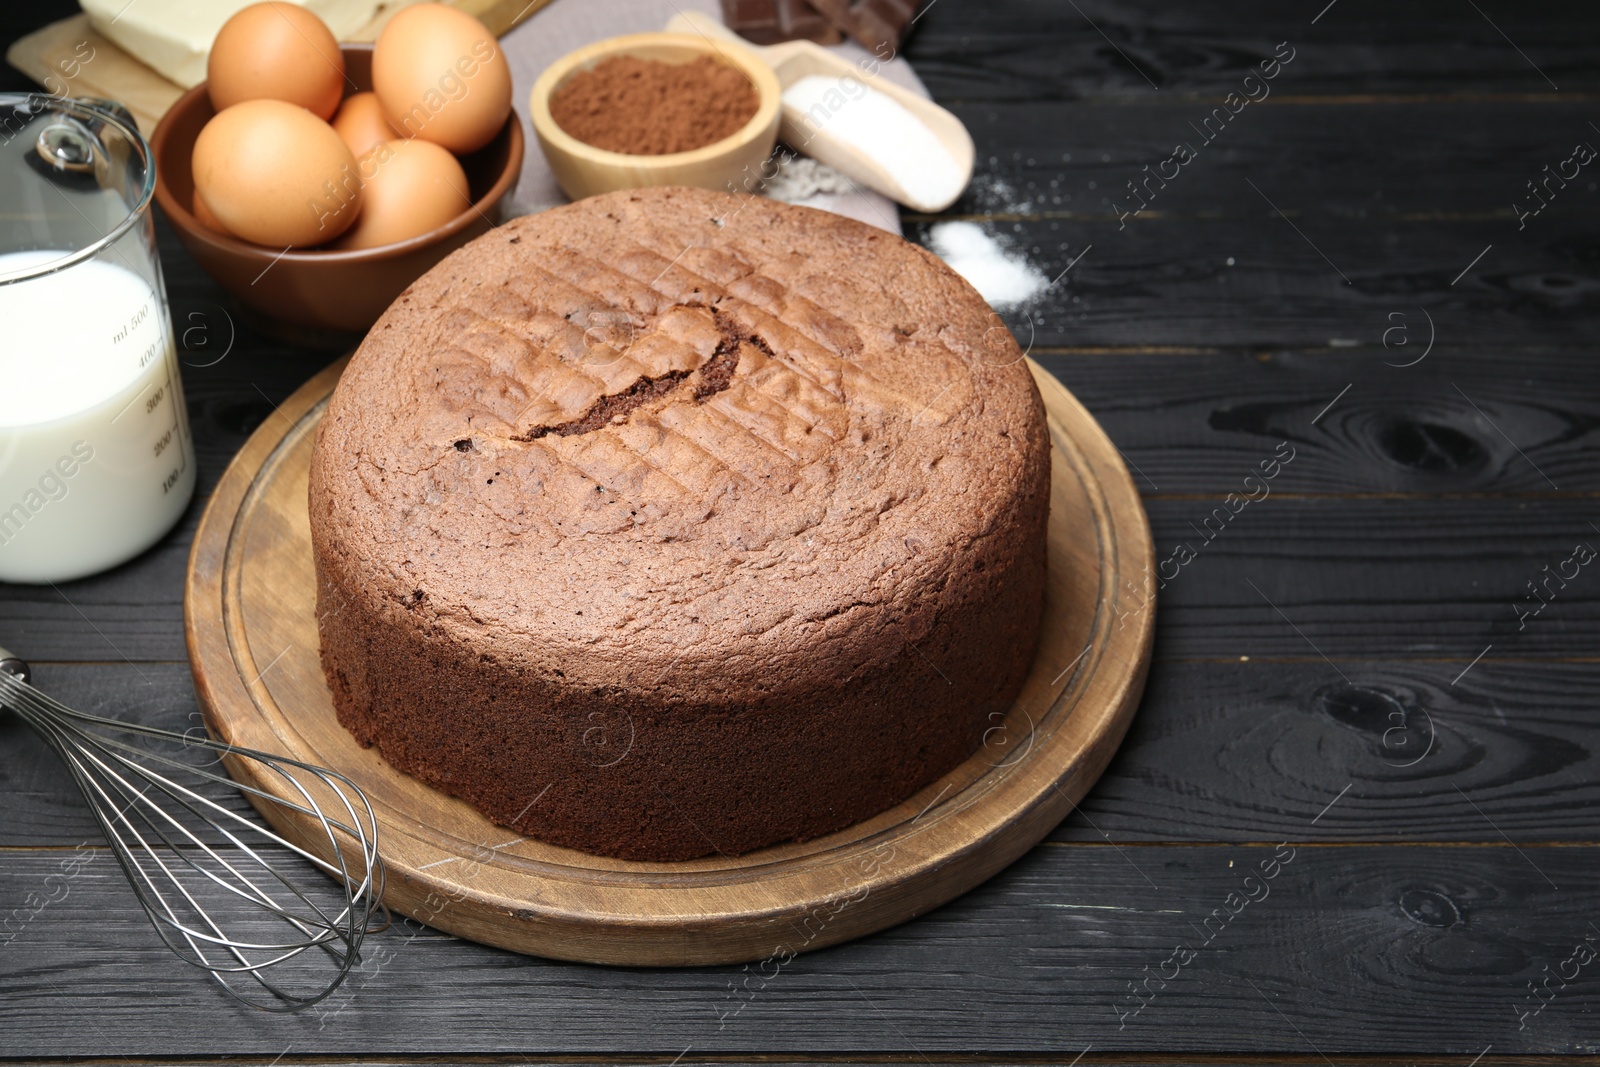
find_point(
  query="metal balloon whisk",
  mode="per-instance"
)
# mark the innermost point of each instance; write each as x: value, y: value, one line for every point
x: 222, y: 890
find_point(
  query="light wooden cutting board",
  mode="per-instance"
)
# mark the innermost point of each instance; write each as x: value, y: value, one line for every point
x: 48, y: 54
x: 251, y: 621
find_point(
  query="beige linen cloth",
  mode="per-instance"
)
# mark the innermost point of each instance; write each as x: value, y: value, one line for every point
x: 549, y: 34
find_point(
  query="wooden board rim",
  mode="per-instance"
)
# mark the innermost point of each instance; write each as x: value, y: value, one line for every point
x: 599, y: 910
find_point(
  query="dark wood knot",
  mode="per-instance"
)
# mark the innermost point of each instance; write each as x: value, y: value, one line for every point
x: 1398, y: 727
x: 1427, y: 907
x: 1429, y: 447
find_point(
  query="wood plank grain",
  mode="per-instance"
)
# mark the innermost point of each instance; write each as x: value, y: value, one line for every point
x: 1110, y: 48
x: 1064, y: 1058
x: 1253, y: 751
x: 1074, y: 159
x: 1451, y: 421
x: 1171, y: 282
x: 1218, y: 752
x: 937, y: 1059
x: 42, y: 802
x: 1416, y: 578
x: 132, y: 613
x: 1344, y: 579
x: 1347, y: 951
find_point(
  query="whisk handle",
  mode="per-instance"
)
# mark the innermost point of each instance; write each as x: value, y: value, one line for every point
x: 15, y: 665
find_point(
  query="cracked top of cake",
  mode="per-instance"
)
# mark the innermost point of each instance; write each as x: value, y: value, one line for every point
x: 664, y: 416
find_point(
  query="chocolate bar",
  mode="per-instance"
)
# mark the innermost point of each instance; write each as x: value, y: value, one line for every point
x: 772, y: 21
x: 878, y: 24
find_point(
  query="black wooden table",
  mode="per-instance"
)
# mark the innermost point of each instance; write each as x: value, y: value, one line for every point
x: 1365, y: 681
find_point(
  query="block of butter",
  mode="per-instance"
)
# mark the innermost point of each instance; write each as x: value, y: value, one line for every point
x: 174, y: 36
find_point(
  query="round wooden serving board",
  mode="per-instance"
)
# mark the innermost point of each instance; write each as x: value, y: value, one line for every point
x: 252, y: 636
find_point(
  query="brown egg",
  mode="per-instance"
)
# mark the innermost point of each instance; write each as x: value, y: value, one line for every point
x: 275, y: 174
x: 276, y: 52
x: 442, y: 77
x: 408, y: 188
x: 361, y: 123
x: 205, y: 217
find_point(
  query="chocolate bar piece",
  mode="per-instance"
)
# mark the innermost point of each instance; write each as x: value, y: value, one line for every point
x: 878, y: 24
x: 772, y: 21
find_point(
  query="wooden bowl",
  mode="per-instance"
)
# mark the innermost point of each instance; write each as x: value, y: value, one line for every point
x: 584, y: 170
x: 310, y: 288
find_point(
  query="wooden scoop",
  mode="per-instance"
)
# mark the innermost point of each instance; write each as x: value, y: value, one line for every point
x: 794, y: 60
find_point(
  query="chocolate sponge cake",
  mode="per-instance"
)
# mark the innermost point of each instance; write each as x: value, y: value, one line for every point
x: 668, y: 523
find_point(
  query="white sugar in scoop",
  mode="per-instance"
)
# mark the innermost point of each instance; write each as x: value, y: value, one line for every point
x: 878, y: 134
x: 878, y: 126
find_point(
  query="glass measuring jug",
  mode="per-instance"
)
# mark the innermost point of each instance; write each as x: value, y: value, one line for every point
x: 96, y: 461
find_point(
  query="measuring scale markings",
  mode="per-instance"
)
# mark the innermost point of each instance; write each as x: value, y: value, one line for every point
x: 162, y: 399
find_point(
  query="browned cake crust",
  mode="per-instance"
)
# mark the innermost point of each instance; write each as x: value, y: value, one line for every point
x: 670, y: 523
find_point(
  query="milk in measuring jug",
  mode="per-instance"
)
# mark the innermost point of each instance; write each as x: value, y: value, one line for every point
x: 95, y: 459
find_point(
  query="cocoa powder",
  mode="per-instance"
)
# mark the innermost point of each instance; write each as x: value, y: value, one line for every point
x: 647, y: 108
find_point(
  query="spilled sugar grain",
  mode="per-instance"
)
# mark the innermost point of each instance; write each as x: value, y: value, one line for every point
x: 1003, y: 278
x: 992, y: 194
x: 798, y: 179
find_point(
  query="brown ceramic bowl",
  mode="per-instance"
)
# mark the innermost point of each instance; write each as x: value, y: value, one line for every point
x: 335, y: 291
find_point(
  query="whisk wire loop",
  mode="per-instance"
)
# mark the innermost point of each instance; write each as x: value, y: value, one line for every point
x: 173, y: 843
